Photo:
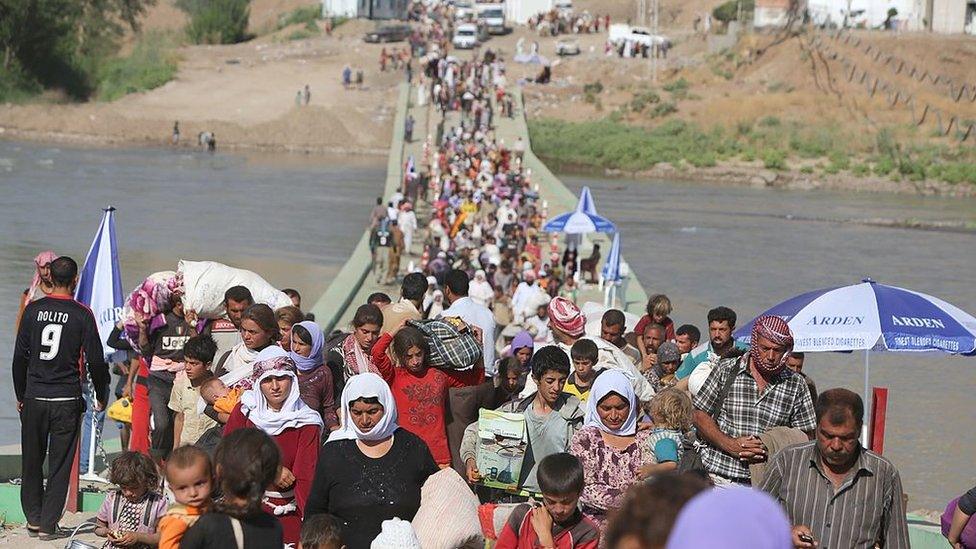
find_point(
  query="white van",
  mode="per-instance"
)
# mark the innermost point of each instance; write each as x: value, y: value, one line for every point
x: 492, y: 16
x: 465, y: 36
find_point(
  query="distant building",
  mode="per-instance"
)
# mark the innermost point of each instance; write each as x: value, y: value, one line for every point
x: 870, y: 14
x: 519, y: 11
x: 951, y: 16
x: 340, y: 8
x: 774, y: 13
x: 367, y: 9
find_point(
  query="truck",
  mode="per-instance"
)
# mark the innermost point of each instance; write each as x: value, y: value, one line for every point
x: 492, y: 16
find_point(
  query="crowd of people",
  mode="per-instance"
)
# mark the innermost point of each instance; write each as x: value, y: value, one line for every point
x: 555, y: 22
x: 259, y: 428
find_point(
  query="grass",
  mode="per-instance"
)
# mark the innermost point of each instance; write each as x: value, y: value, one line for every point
x: 303, y: 15
x: 611, y: 143
x: 151, y: 64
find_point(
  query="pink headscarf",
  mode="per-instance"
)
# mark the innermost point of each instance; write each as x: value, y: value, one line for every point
x: 42, y: 259
x: 566, y: 317
x: 774, y: 329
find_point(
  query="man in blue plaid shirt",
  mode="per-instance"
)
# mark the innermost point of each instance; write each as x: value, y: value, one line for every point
x: 764, y: 393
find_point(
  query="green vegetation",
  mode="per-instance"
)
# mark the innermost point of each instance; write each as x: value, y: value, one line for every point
x: 216, y: 21
x: 610, y: 143
x: 308, y: 16
x: 729, y: 11
x: 304, y: 15
x: 150, y: 65
x: 60, y: 44
x: 642, y: 100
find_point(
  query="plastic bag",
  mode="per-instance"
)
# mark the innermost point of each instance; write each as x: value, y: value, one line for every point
x: 204, y: 284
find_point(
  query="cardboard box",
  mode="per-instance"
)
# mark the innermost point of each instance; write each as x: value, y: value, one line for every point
x: 502, y: 443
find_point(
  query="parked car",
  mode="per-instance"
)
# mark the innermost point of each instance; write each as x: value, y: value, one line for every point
x: 388, y: 33
x: 465, y: 36
x: 464, y: 10
x: 567, y: 46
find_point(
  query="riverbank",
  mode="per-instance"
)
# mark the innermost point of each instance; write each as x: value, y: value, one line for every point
x: 756, y: 176
x: 768, y: 154
x: 245, y: 94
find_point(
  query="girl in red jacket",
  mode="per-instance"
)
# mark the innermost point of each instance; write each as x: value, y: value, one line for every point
x: 419, y: 390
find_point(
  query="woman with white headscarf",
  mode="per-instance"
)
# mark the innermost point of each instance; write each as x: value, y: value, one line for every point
x: 480, y: 290
x: 609, y: 446
x: 370, y: 470
x: 273, y: 405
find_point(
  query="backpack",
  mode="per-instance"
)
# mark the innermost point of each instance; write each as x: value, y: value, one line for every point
x: 383, y: 236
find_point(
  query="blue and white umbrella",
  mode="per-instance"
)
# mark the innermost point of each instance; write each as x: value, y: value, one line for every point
x: 611, y: 269
x: 582, y: 220
x: 100, y: 282
x: 873, y: 317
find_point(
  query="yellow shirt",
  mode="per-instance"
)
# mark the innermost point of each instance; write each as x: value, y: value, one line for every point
x: 572, y: 389
x: 183, y: 399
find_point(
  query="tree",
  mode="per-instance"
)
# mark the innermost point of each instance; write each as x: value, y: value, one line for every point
x: 216, y: 21
x: 58, y: 43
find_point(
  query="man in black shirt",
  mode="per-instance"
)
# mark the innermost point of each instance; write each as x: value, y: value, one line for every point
x: 56, y: 339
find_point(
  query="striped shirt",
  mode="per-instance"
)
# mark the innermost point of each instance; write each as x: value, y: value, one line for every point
x: 785, y: 402
x: 867, y: 509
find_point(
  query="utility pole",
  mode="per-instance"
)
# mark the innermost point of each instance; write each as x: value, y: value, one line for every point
x: 655, y: 49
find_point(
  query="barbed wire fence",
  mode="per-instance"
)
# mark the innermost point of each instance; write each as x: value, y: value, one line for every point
x: 894, y: 95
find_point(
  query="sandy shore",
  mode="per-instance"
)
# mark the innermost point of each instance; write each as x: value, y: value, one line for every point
x: 245, y: 94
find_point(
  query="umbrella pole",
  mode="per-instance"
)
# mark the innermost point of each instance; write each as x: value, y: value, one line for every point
x: 867, y: 399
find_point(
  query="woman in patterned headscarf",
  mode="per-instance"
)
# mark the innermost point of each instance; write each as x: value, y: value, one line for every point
x: 273, y: 404
x: 41, y: 284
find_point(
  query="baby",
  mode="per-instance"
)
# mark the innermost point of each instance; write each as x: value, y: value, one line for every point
x: 218, y: 395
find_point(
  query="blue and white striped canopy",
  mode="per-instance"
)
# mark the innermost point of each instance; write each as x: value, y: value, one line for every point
x: 872, y: 316
x: 582, y: 220
x: 611, y: 269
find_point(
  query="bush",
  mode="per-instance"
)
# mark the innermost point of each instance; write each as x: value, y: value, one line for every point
x: 593, y: 88
x: 726, y: 12
x: 884, y: 166
x: 664, y: 109
x: 16, y: 85
x: 679, y: 85
x: 302, y: 34
x: 639, y: 102
x: 150, y: 65
x: 774, y: 159
x: 216, y: 21
x: 770, y: 122
x: 304, y: 14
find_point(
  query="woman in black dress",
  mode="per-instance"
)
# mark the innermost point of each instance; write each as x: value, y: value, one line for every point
x: 370, y: 470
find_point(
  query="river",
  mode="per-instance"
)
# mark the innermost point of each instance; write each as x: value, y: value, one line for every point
x: 296, y: 218
x: 709, y: 245
x: 292, y: 218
